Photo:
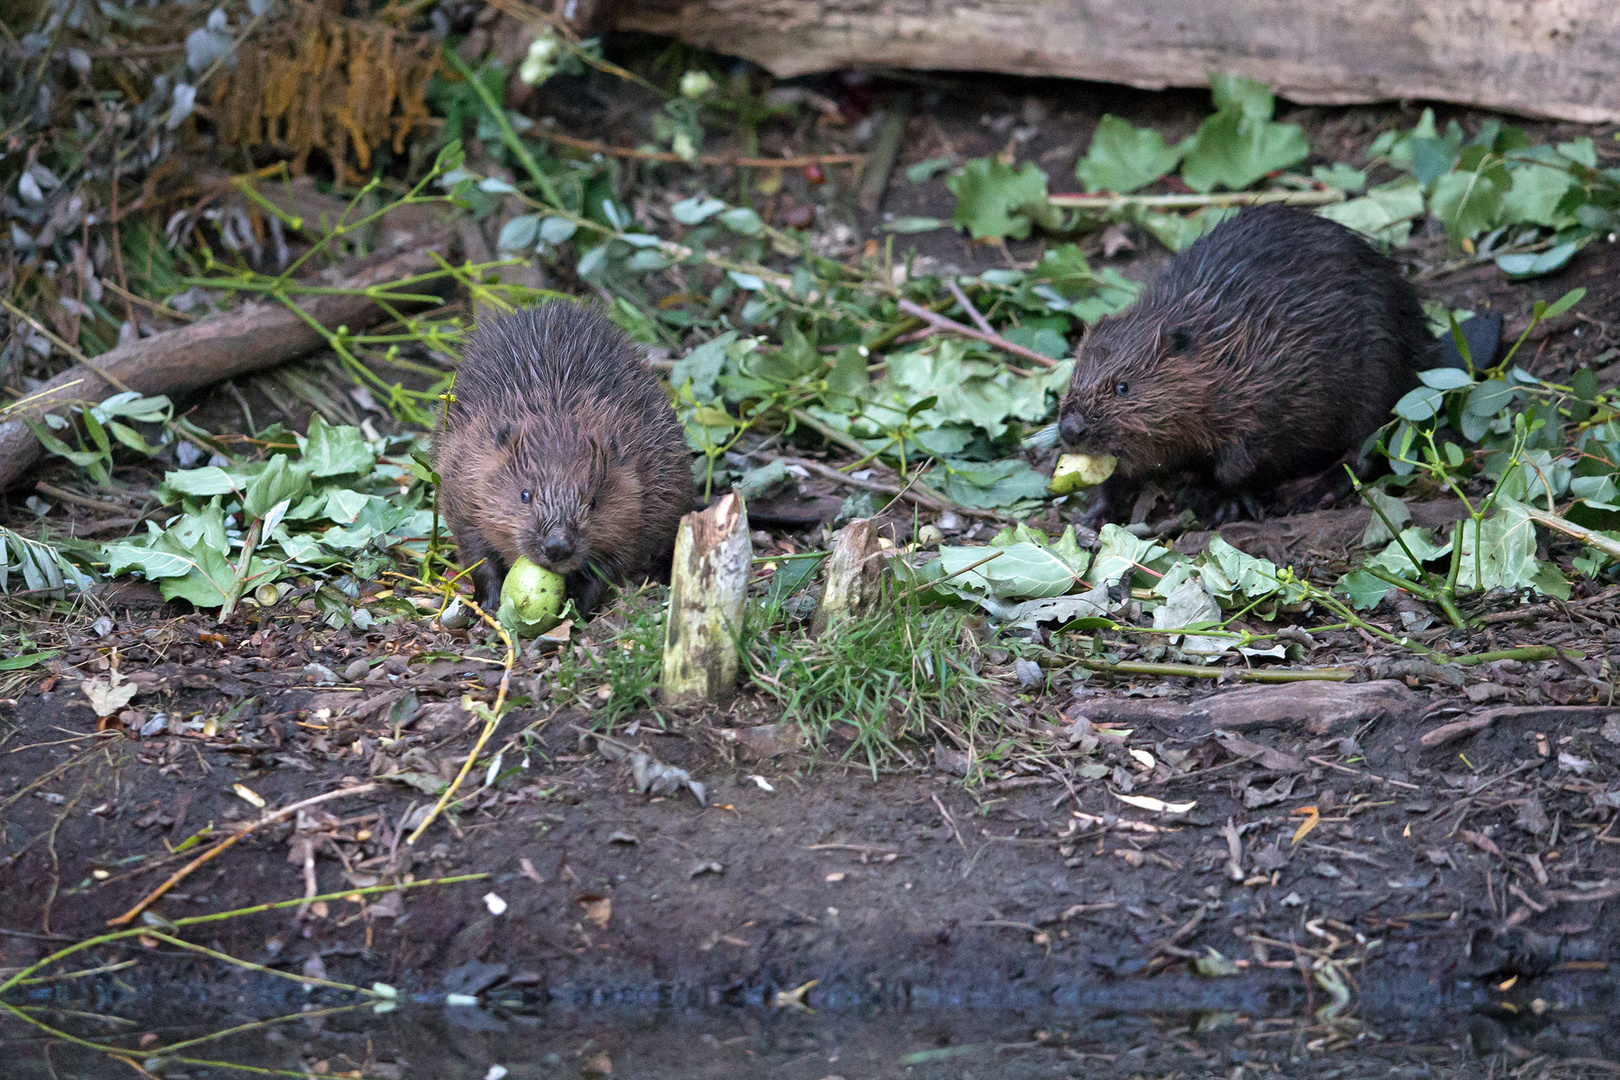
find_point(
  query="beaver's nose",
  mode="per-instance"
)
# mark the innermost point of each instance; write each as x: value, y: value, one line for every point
x: 1072, y: 427
x: 556, y: 548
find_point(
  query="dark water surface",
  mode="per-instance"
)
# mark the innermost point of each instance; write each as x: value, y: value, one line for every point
x: 1170, y: 1026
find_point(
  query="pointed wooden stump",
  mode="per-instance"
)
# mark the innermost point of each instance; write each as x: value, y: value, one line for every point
x: 854, y: 577
x: 708, y: 584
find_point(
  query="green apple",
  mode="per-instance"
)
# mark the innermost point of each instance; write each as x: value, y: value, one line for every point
x: 534, y: 595
x: 1075, y: 472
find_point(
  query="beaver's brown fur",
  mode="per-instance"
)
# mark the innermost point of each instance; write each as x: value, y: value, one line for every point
x: 1264, y: 352
x: 561, y: 445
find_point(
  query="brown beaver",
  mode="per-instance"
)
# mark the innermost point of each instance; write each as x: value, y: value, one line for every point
x: 561, y: 445
x: 1265, y: 352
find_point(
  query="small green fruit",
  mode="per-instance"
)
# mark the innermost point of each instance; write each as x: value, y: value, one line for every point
x: 1075, y: 472
x: 535, y: 595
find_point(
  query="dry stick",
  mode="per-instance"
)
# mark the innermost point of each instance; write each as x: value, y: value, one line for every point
x: 967, y: 306
x: 833, y: 435
x: 1231, y: 198
x: 219, y: 848
x: 866, y: 485
x: 994, y: 340
x: 1137, y: 667
x: 724, y: 160
x: 1586, y: 536
x: 490, y: 723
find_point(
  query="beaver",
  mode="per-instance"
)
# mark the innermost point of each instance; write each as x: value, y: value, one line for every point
x: 561, y: 445
x: 1265, y: 352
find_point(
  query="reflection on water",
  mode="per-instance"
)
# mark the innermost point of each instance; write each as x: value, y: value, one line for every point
x: 1563, y: 1028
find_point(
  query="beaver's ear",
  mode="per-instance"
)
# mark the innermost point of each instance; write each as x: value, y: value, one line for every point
x: 503, y: 436
x: 1178, y: 340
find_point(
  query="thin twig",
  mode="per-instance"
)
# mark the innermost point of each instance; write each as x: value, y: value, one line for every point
x: 230, y: 841
x: 992, y: 339
x: 491, y: 722
x: 721, y: 160
x: 968, y: 307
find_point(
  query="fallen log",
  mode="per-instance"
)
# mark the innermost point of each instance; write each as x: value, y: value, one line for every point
x: 250, y: 337
x: 1553, y: 59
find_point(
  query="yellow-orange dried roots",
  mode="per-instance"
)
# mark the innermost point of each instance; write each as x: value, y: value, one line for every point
x: 321, y: 81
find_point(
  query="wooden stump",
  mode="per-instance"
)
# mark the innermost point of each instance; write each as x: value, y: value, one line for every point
x: 854, y: 577
x: 708, y: 585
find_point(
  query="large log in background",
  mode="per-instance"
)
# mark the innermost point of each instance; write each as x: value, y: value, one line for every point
x: 1555, y: 58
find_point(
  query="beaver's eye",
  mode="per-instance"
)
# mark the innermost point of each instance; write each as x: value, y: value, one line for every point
x: 1121, y: 389
x: 525, y: 496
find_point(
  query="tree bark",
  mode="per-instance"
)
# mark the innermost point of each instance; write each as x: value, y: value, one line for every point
x: 1555, y: 58
x: 249, y: 337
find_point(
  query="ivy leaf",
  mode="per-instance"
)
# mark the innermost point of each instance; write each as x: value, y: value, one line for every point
x: 994, y: 201
x: 1499, y: 552
x: 1123, y: 158
x: 1245, y: 95
x: 335, y: 451
x: 1340, y: 176
x: 1467, y: 204
x: 1385, y: 213
x: 984, y: 485
x: 1234, y: 148
x: 1018, y: 570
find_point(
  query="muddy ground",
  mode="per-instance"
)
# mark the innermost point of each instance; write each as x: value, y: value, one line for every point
x: 1461, y: 894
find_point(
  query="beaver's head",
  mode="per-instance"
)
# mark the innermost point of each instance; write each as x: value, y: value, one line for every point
x: 1141, y: 390
x: 569, y: 493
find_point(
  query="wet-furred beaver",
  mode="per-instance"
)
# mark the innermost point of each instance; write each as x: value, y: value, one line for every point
x: 1265, y: 352
x: 560, y: 445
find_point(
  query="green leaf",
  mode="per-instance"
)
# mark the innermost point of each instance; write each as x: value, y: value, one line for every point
x: 1253, y: 99
x: 1537, y: 190
x: 335, y: 451
x: 1234, y: 148
x: 1393, y: 559
x: 914, y: 224
x: 994, y: 201
x: 518, y: 234
x: 208, y: 480
x: 742, y: 220
x: 1016, y: 571
x: 1179, y: 232
x: 1490, y: 397
x: 1362, y: 589
x: 701, y: 367
x: 997, y: 483
x: 1123, y: 158
x: 1534, y: 264
x: 696, y: 210
x: 1445, y: 378
x: 1564, y: 303
x: 927, y: 170
x: 279, y: 481
x: 27, y: 660
x: 1499, y: 552
x: 1419, y: 404
x: 1385, y: 213
x: 1467, y: 204
x: 1394, y: 509
x: 1119, y: 554
x: 1340, y: 176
